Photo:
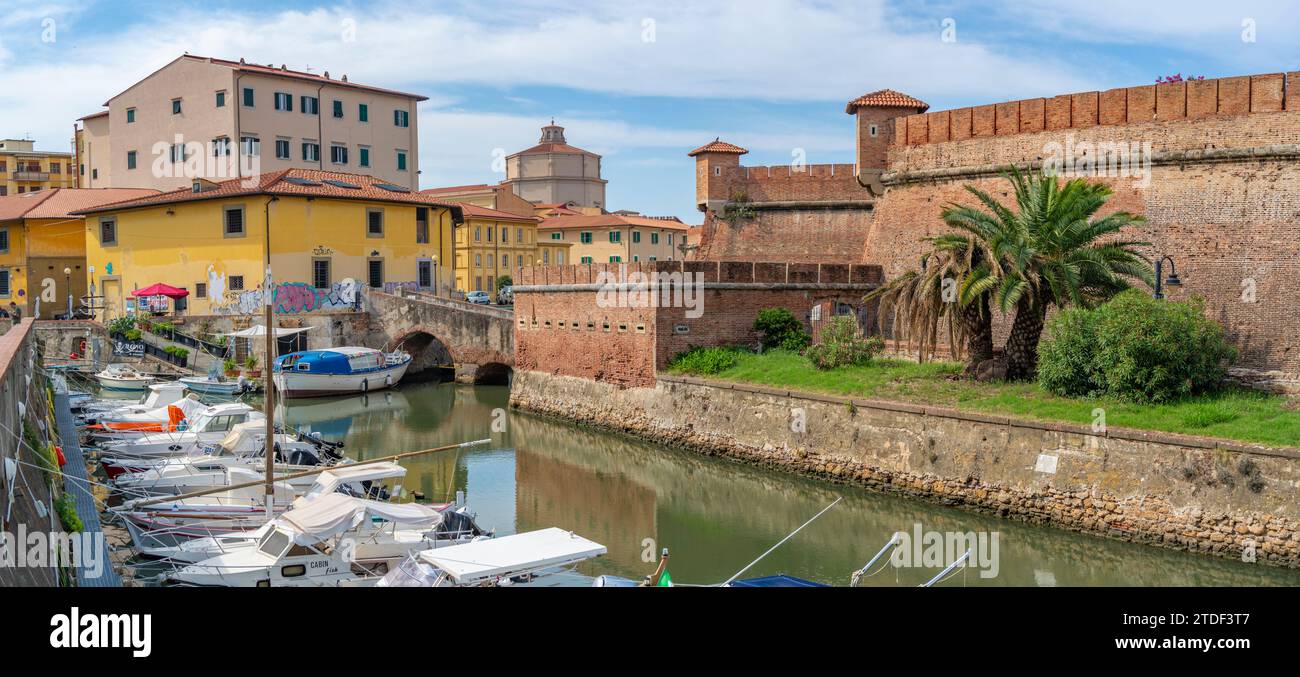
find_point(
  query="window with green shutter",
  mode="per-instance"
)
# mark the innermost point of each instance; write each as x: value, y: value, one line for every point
x: 221, y: 99
x: 338, y: 108
x: 636, y: 236
x: 401, y: 161
x: 363, y: 112
x: 248, y: 97
x: 585, y: 237
x: 615, y: 236
x: 363, y: 156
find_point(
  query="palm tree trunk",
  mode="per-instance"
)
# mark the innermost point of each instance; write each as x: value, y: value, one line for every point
x: 978, y: 326
x: 1022, y: 344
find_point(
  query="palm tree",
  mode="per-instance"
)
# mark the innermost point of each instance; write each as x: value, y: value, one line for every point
x: 918, y: 304
x: 1052, y: 250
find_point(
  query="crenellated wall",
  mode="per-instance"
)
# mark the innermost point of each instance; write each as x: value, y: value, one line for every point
x: 1164, y: 102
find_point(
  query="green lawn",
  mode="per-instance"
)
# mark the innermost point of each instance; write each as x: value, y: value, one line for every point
x: 1233, y: 413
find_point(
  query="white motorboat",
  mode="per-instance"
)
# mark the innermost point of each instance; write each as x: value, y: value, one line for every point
x: 456, y: 526
x: 158, y: 396
x: 202, y: 426
x: 239, y: 457
x: 168, y: 419
x: 242, y: 509
x: 338, y: 371
x: 123, y: 377
x: 493, y: 562
x: 217, y: 385
x: 330, y: 540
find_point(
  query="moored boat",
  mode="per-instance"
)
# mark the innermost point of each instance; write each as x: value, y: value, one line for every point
x: 338, y: 371
x: 123, y: 377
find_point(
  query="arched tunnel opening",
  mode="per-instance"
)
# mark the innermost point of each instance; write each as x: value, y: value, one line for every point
x: 493, y: 374
x: 431, y: 359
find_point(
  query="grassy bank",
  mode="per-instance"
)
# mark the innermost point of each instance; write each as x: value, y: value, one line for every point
x: 1233, y: 413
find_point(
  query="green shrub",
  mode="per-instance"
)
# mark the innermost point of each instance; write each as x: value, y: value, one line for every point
x: 704, y: 361
x: 1135, y: 348
x: 133, y: 334
x: 779, y: 328
x: 122, y: 325
x: 1067, y: 354
x: 841, y: 346
x: 67, y: 511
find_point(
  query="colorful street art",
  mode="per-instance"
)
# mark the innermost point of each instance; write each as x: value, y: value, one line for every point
x: 291, y: 298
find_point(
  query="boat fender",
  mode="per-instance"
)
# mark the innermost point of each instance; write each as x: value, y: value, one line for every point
x: 388, y: 379
x: 365, y: 385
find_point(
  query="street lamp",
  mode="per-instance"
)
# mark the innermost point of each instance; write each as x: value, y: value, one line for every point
x: 1172, y: 280
x: 67, y: 274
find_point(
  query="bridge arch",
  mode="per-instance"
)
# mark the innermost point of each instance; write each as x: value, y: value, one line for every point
x: 494, y: 374
x: 431, y: 358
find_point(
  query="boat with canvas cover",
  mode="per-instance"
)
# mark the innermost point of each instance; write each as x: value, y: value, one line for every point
x: 330, y: 540
x: 123, y: 377
x: 499, y: 561
x: 338, y: 371
x: 217, y: 385
x: 165, y: 523
x: 380, y: 538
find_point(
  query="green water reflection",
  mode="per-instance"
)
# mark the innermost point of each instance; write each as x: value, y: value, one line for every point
x: 714, y: 515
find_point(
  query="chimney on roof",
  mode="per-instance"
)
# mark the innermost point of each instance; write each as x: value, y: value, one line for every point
x: 327, y: 75
x: 345, y: 77
x: 241, y: 61
x: 284, y: 67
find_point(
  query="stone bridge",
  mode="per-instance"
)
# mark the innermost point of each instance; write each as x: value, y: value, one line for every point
x: 479, y: 341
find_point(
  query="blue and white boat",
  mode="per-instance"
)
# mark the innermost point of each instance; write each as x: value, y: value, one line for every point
x: 338, y: 371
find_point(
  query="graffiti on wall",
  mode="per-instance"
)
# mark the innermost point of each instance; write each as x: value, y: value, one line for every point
x: 291, y: 298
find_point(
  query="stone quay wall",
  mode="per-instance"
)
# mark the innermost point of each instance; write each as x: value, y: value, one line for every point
x: 1200, y: 495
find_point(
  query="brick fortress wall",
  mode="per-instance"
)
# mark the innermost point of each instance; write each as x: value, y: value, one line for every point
x: 1223, y: 196
x: 564, y: 328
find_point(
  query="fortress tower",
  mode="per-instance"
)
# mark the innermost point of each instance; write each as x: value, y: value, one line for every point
x: 876, y: 113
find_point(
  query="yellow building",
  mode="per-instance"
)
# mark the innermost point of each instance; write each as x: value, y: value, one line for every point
x: 613, y: 238
x: 43, y: 247
x: 493, y: 243
x: 330, y: 233
x: 24, y: 169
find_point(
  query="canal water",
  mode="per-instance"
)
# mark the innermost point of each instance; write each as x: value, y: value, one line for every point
x: 715, y: 516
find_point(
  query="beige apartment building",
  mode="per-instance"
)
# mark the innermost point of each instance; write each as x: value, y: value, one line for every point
x: 224, y: 119
x: 24, y: 169
x: 553, y: 172
x: 618, y: 237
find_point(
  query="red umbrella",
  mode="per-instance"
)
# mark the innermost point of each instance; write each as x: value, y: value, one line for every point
x: 160, y: 289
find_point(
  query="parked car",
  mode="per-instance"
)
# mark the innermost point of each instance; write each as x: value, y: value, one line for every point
x: 505, y: 295
x: 479, y: 297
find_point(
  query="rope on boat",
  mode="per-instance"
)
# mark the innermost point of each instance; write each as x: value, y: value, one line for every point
x: 778, y: 544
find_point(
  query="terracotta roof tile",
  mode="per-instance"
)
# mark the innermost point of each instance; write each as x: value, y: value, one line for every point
x: 66, y: 201
x: 457, y: 189
x: 277, y: 183
x: 543, y: 148
x: 480, y: 212
x: 886, y: 98
x: 610, y: 221
x: 17, y: 206
x: 718, y: 146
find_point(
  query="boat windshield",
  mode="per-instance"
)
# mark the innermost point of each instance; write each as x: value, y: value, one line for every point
x: 274, y: 543
x: 200, y: 423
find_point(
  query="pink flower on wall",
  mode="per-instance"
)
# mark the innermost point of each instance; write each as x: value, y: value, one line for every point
x: 1177, y: 77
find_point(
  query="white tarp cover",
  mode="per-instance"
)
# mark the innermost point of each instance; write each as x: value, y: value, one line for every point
x: 330, y: 480
x: 325, y: 517
x: 259, y: 330
x: 508, y: 555
x: 242, y: 433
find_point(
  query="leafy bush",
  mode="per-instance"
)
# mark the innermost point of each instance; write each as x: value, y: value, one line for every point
x: 779, y: 328
x: 1135, y: 348
x: 230, y: 365
x: 250, y: 362
x: 67, y: 511
x: 841, y: 346
x: 121, y: 325
x: 133, y: 334
x: 1067, y: 355
x: 704, y: 361
x: 177, y: 351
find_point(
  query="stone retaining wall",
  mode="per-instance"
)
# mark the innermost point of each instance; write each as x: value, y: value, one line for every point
x: 1186, y: 493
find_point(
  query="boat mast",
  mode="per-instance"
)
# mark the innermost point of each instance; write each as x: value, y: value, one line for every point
x: 268, y: 296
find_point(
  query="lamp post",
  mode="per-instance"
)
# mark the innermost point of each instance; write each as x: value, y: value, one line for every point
x: 67, y: 275
x: 1172, y: 281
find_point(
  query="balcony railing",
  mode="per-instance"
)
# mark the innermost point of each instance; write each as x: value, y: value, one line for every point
x: 31, y: 176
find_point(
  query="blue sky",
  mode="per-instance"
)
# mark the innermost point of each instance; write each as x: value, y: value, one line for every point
x: 641, y: 83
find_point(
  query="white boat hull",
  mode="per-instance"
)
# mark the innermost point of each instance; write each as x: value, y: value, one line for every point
x: 112, y: 383
x: 305, y: 384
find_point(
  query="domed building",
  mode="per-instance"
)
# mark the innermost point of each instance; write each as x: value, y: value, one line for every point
x: 553, y: 172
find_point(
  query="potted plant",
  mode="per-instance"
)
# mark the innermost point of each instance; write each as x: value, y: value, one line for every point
x: 231, y: 367
x: 250, y: 367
